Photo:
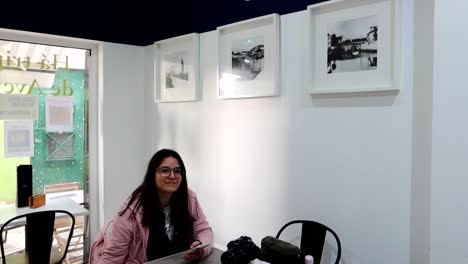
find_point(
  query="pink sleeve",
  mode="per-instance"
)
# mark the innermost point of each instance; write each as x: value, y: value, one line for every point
x: 117, y: 241
x: 201, y: 228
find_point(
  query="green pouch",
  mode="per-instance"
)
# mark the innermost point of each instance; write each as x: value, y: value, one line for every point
x: 274, y: 250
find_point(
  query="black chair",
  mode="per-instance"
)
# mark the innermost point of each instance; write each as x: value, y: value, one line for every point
x: 39, y: 230
x: 313, y: 239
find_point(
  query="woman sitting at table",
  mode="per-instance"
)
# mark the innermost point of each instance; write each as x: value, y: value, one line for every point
x: 160, y: 218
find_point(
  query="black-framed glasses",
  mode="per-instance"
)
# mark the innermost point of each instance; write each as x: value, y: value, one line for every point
x: 166, y: 171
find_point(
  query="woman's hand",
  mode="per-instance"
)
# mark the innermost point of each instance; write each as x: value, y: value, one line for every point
x: 196, y: 254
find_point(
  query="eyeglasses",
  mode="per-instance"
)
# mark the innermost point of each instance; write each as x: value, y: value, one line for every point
x: 166, y: 171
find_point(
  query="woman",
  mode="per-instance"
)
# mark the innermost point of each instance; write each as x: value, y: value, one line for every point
x: 160, y: 218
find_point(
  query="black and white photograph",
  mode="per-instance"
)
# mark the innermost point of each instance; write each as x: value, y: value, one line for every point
x: 176, y: 70
x: 352, y: 45
x: 248, y: 58
x: 244, y: 69
x: 176, y: 66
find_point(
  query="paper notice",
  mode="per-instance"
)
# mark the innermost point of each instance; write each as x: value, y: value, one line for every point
x: 59, y: 114
x: 18, y: 107
x: 18, y: 138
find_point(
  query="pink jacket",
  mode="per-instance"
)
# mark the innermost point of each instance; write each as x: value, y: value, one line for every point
x: 124, y: 240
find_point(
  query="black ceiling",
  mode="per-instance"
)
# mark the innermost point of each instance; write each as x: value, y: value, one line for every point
x: 137, y: 22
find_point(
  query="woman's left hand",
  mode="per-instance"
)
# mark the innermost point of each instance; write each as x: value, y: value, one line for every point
x: 196, y: 254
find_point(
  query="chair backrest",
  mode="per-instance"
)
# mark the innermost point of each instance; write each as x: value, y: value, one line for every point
x: 39, y: 235
x: 313, y: 239
x: 61, y: 187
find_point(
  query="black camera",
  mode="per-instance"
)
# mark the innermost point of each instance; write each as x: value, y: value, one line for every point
x: 240, y: 251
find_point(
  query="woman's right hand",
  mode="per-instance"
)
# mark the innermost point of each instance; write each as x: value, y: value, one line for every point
x: 196, y: 254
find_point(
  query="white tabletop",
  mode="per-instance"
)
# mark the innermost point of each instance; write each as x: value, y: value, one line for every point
x: 76, y: 196
x: 10, y: 210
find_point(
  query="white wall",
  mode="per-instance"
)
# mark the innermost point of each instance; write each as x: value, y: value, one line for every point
x: 123, y: 121
x: 449, y: 211
x: 344, y: 160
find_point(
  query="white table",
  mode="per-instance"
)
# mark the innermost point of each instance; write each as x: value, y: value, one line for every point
x: 77, y: 196
x: 10, y: 210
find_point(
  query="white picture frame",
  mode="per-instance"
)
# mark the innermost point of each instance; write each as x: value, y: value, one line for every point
x: 354, y: 45
x: 249, y: 58
x: 176, y: 68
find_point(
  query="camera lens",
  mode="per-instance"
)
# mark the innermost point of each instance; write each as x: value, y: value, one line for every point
x: 228, y: 258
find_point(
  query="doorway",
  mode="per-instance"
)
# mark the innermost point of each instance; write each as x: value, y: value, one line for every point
x: 57, y: 77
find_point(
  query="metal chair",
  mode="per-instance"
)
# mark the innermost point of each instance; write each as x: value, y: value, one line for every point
x: 313, y: 239
x: 38, y: 238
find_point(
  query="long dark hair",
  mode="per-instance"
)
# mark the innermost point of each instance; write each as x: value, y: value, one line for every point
x: 146, y: 197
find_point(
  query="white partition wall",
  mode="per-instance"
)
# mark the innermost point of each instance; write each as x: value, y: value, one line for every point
x: 379, y: 169
x: 344, y: 160
x: 449, y: 195
x: 123, y: 124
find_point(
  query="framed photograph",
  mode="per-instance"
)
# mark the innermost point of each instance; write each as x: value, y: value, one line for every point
x: 354, y: 46
x: 249, y: 59
x: 177, y: 69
